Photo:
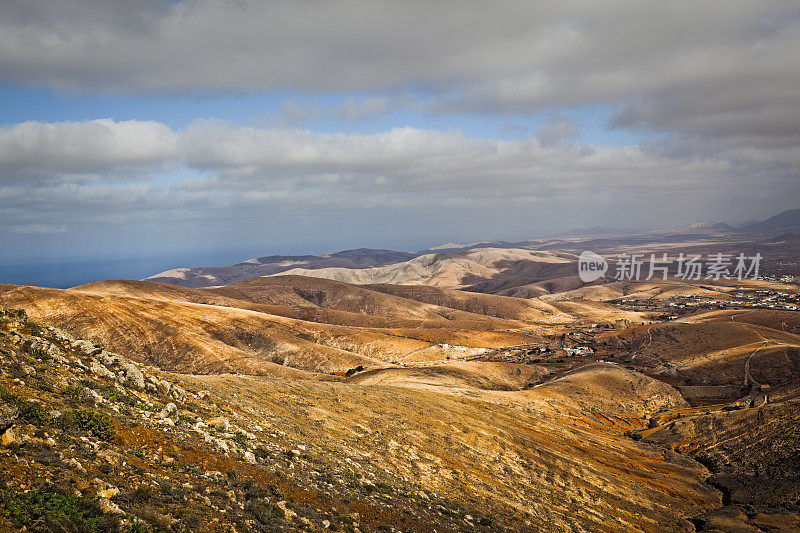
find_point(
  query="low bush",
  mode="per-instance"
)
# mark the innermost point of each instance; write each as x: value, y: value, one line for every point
x: 98, y: 424
x: 240, y: 439
x: 53, y: 509
x: 40, y: 353
x: 29, y: 411
x: 118, y: 396
x: 75, y: 393
x: 185, y: 419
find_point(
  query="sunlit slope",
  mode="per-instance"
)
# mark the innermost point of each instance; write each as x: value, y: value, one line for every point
x: 548, y: 468
x: 202, y: 337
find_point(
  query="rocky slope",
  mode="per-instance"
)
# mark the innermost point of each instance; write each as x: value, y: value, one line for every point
x: 111, y: 445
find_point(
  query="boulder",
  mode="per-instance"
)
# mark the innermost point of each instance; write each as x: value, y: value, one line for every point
x: 288, y: 514
x: 100, y: 370
x: 134, y: 376
x: 161, y: 385
x: 86, y: 347
x: 178, y: 393
x: 219, y: 423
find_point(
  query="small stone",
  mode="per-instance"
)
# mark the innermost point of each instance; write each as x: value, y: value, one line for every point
x: 8, y: 414
x: 108, y: 493
x: 288, y: 514
x: 109, y: 507
x: 219, y: 423
x: 9, y: 438
x: 169, y: 411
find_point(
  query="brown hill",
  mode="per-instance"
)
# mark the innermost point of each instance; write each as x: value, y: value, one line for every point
x: 497, y: 267
x: 530, y: 311
x: 455, y: 377
x: 340, y: 296
x: 521, y: 460
x: 170, y: 328
x: 715, y: 352
x: 283, y: 296
x: 788, y: 321
x: 268, y: 265
x: 612, y: 389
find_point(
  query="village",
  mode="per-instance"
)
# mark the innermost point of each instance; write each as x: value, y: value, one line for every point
x: 677, y: 307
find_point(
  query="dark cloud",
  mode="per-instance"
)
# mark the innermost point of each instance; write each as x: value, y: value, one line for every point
x: 712, y: 86
x: 709, y: 67
x: 237, y: 172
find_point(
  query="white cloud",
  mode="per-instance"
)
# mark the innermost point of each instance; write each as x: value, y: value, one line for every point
x: 46, y: 150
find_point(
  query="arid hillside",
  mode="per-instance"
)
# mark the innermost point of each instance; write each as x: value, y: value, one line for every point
x: 264, y: 266
x: 107, y: 439
x: 457, y: 269
x: 170, y: 329
x: 291, y: 323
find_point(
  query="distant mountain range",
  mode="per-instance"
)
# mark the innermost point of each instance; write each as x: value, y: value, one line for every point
x: 784, y: 221
x: 474, y: 264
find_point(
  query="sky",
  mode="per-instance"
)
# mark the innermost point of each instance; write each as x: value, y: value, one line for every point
x: 201, y: 131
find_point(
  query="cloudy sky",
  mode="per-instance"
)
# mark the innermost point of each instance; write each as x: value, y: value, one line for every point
x: 166, y: 128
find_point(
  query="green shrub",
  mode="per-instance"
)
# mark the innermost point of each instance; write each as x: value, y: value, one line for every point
x: 383, y: 488
x: 32, y: 328
x: 117, y: 396
x: 75, y: 393
x: 55, y: 506
x: 31, y: 412
x: 98, y: 424
x: 40, y: 353
x: 137, y: 452
x: 240, y: 439
x: 189, y: 420
x: 327, y: 477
